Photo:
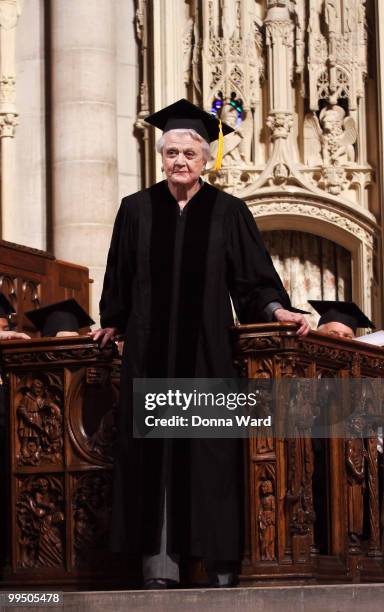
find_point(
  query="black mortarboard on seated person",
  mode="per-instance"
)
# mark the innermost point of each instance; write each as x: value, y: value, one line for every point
x: 6, y: 308
x: 298, y: 310
x: 67, y: 315
x: 185, y: 115
x: 347, y: 313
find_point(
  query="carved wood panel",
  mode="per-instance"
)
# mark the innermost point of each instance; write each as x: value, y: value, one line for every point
x: 38, y: 424
x: 40, y: 519
x: 283, y: 479
x: 63, y: 397
x: 30, y: 278
x: 91, y: 502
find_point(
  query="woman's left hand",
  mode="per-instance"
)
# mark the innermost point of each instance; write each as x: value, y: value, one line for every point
x: 286, y: 316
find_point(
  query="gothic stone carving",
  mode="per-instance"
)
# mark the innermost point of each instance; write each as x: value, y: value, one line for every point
x: 8, y: 124
x: 314, y: 49
x: 337, y: 66
x: 280, y: 124
x: 7, y: 89
x: 307, y: 208
x: 9, y: 13
x: 330, y: 141
x: 232, y: 66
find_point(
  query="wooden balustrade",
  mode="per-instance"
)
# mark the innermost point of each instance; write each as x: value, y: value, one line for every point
x: 313, y: 509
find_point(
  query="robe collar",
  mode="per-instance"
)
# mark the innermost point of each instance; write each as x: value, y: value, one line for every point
x: 202, y: 185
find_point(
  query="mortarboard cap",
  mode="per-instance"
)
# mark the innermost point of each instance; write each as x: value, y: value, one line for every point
x: 185, y: 115
x: 347, y: 313
x: 6, y: 307
x: 67, y: 315
x: 298, y: 310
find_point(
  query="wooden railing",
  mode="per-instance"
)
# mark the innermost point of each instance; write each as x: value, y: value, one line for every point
x: 314, y: 509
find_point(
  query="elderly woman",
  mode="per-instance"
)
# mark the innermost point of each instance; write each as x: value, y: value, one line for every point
x: 179, y: 251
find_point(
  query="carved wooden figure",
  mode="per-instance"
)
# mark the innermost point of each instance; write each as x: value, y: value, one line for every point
x: 40, y: 520
x: 267, y: 521
x: 39, y: 425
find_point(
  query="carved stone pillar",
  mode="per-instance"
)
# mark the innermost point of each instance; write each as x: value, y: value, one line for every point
x: 84, y: 133
x: 9, y: 13
x: 169, y: 17
x: 279, y: 37
x: 279, y: 30
x: 142, y: 34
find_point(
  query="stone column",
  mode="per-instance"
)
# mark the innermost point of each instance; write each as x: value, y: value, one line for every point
x: 169, y: 18
x: 379, y: 23
x: 84, y: 163
x: 9, y: 13
x: 127, y: 92
x: 29, y: 210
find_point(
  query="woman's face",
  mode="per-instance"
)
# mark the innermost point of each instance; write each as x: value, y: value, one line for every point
x: 183, y: 159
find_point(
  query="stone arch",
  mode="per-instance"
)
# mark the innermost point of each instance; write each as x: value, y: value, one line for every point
x: 319, y: 218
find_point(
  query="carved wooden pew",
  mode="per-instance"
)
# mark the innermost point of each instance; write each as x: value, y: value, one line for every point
x: 62, y: 396
x: 280, y: 522
x: 30, y: 278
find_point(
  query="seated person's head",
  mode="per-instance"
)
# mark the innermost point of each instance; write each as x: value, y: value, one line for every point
x: 339, y: 319
x: 335, y: 328
x: 60, y: 319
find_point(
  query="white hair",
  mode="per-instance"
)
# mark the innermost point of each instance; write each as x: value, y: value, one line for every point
x: 206, y: 149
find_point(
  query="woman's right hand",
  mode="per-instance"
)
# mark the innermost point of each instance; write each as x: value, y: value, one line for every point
x: 104, y: 335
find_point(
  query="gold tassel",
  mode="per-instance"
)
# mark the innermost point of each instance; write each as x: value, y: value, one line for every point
x: 220, y: 147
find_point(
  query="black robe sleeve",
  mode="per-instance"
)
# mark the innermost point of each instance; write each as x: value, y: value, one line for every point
x: 115, y: 302
x: 252, y: 278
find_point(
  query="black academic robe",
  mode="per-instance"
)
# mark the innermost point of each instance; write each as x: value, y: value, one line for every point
x: 167, y: 286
